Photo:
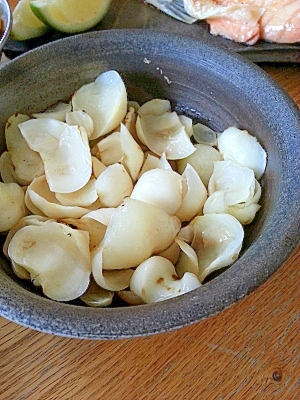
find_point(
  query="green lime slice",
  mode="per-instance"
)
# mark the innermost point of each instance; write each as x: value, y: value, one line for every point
x: 25, y: 24
x: 70, y: 16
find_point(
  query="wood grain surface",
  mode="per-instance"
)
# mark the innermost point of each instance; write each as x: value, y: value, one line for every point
x: 249, y: 351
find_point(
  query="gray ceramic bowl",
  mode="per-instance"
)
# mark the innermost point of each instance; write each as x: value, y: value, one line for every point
x: 6, y: 17
x: 219, y: 89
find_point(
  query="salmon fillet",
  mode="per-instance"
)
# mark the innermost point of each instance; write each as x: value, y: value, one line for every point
x: 247, y: 21
x: 281, y: 21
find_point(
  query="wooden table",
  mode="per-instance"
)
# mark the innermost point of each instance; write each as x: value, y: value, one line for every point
x: 250, y: 351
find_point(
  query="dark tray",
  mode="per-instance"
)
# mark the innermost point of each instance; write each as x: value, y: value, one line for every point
x: 137, y: 14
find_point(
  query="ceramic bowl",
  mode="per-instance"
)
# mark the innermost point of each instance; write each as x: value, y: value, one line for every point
x: 207, y: 83
x: 6, y: 17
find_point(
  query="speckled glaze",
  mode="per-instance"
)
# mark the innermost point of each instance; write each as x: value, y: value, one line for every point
x: 6, y: 16
x: 218, y: 88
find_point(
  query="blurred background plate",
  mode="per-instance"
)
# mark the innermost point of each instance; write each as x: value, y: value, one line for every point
x: 5, y: 23
x: 137, y: 14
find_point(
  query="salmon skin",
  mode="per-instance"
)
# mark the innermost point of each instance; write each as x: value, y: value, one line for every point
x: 247, y: 21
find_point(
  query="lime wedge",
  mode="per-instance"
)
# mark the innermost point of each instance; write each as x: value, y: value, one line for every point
x: 25, y: 24
x: 70, y: 16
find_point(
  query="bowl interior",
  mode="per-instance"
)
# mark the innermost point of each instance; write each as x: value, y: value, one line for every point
x: 210, y: 85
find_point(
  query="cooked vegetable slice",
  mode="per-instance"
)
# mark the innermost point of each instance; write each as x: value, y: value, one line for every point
x: 40, y: 200
x: 102, y: 215
x: 202, y: 160
x: 113, y: 185
x: 152, y: 162
x: 95, y: 296
x: 237, y: 182
x: 204, y: 135
x: 155, y: 280
x: 109, y: 149
x: 105, y: 100
x: 83, y: 197
x: 188, y: 260
x: 64, y: 150
x: 110, y: 280
x: 129, y: 297
x: 160, y: 187
x: 244, y: 149
x: 218, y: 240
x: 194, y: 195
x: 25, y: 221
x: 127, y: 241
x: 171, y: 253
x: 7, y: 169
x: 244, y: 212
x: 164, y: 134
x: 12, y: 205
x: 59, y: 112
x: 81, y: 118
x: 27, y: 164
x: 133, y: 155
x: 187, y: 122
x: 155, y: 107
x: 56, y: 256
x: 97, y: 166
x: 95, y: 229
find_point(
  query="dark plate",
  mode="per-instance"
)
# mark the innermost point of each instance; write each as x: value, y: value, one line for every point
x: 136, y: 14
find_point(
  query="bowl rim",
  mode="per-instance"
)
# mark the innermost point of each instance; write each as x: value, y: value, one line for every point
x: 8, y: 19
x: 109, y: 323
